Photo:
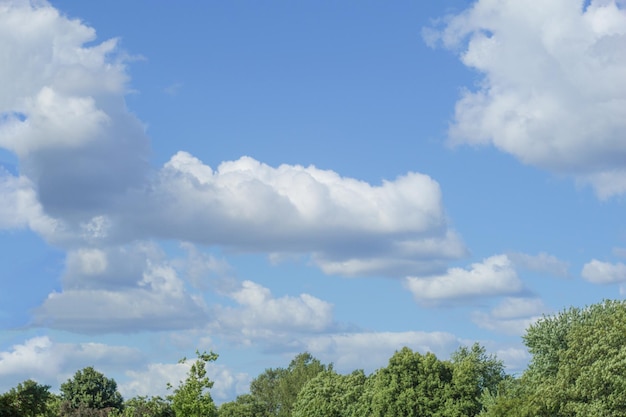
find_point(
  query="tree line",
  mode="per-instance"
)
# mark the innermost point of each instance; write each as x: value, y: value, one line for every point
x: 578, y: 368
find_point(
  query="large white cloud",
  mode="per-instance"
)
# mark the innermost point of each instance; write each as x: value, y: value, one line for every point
x: 552, y: 91
x: 62, y: 111
x: 85, y: 158
x: 350, y: 227
x: 493, y: 276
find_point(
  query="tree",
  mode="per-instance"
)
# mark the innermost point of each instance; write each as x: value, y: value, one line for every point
x: 28, y: 399
x: 90, y: 389
x: 192, y: 398
x: 147, y: 407
x: 244, y: 406
x: 264, y: 390
x: 330, y: 395
x: 473, y: 373
x: 412, y: 385
x: 578, y: 366
x: 276, y: 390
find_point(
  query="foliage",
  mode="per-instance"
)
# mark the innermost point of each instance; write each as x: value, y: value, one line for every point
x: 473, y: 373
x: 578, y: 366
x: 330, y: 395
x: 276, y: 390
x: 28, y: 399
x: 146, y: 407
x: 192, y: 398
x: 90, y: 389
x: 244, y: 406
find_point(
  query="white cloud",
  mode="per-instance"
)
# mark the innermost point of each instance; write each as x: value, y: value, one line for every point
x: 541, y: 262
x: 600, y: 272
x: 120, y: 289
x: 348, y: 226
x: 20, y: 207
x: 62, y: 111
x: 372, y: 350
x: 262, y: 317
x: 552, y: 91
x: 512, y: 316
x: 50, y: 362
x: 494, y: 276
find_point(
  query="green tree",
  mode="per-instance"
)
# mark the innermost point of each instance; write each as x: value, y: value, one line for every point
x: 578, y: 366
x: 301, y: 370
x: 330, y: 395
x: 473, y: 373
x: 192, y: 398
x: 28, y: 399
x: 244, y: 406
x: 147, y: 407
x: 276, y: 390
x: 90, y: 389
x: 264, y: 390
x: 412, y: 385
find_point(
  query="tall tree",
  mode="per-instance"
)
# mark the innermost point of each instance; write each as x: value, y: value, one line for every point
x: 578, y: 366
x: 92, y: 390
x: 276, y: 390
x: 412, y: 385
x: 473, y: 373
x: 192, y: 398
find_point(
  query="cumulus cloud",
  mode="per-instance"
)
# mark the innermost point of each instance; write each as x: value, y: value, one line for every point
x: 512, y: 316
x: 551, y: 90
x: 491, y: 277
x: 84, y: 158
x: 62, y: 112
x: 600, y: 272
x: 542, y: 262
x: 259, y: 316
x: 348, y: 226
x: 20, y: 207
x: 123, y: 289
x: 52, y: 363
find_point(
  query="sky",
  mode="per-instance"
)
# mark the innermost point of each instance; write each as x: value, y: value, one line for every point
x: 262, y: 179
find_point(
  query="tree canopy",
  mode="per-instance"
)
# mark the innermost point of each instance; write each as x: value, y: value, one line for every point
x: 92, y: 390
x: 577, y: 368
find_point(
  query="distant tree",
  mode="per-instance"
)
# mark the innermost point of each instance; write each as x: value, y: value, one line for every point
x: 147, y: 407
x: 192, y: 398
x: 244, y: 406
x: 89, y: 390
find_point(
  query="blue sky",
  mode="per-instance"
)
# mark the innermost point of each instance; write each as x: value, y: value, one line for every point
x: 263, y: 179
